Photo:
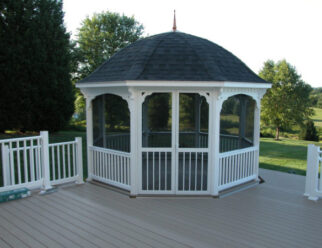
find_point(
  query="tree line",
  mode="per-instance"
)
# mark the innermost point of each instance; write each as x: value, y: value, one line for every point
x: 40, y: 64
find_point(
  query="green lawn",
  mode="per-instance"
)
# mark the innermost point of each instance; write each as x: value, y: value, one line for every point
x: 288, y: 155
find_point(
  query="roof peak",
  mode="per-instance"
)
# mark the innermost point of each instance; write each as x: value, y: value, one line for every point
x: 174, y: 28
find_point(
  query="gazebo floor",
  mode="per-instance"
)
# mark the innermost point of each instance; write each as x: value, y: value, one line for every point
x: 273, y: 214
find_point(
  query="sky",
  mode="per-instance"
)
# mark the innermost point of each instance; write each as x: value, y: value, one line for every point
x: 253, y: 30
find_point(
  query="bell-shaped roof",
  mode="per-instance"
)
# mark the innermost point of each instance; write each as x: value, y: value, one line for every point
x: 173, y: 56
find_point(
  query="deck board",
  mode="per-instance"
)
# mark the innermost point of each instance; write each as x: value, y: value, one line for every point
x: 273, y: 214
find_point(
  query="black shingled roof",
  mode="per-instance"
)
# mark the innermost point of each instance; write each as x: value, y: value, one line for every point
x: 173, y: 56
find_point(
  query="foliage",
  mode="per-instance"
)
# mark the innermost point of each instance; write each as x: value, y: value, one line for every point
x: 316, y: 97
x: 158, y: 106
x: 103, y: 35
x: 287, y: 102
x: 98, y: 39
x: 36, y: 92
x: 309, y: 132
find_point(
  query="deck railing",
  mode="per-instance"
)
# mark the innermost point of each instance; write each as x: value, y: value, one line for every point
x: 313, y: 183
x: 111, y: 166
x: 237, y: 167
x: 66, y: 162
x: 33, y: 163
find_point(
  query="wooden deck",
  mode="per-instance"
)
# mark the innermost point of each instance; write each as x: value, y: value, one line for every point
x: 273, y: 214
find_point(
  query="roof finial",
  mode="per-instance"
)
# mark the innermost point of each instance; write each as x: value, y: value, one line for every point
x: 174, y: 22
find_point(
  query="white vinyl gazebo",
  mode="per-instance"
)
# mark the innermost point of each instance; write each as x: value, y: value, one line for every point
x: 173, y: 114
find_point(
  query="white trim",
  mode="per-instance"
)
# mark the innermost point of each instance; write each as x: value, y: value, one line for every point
x: 174, y: 84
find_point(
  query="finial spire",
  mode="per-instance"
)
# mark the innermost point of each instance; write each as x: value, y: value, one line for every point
x: 174, y: 28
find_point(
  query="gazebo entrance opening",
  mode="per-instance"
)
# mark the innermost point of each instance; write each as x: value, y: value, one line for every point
x: 174, y: 152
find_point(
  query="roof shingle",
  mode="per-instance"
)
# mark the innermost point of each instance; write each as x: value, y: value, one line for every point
x: 173, y: 56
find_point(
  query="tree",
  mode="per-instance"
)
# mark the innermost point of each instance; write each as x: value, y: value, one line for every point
x: 101, y: 36
x: 309, y: 132
x: 287, y: 102
x: 98, y: 39
x: 316, y: 97
x: 36, y: 91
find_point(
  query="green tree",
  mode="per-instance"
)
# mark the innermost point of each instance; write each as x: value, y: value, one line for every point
x: 309, y: 132
x: 287, y: 102
x: 36, y: 91
x: 99, y: 38
x: 316, y: 97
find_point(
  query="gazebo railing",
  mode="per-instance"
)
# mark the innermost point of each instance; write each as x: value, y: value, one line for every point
x: 111, y: 166
x: 121, y: 142
x: 237, y: 167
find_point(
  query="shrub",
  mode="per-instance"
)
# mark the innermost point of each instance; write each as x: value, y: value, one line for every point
x: 309, y: 132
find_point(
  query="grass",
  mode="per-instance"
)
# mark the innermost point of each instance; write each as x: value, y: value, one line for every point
x: 287, y: 155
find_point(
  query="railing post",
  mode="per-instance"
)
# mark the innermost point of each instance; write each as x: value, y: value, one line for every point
x: 5, y: 165
x: 311, y: 182
x: 45, y: 161
x: 79, y: 160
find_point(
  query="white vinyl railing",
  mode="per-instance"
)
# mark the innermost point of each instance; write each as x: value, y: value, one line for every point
x: 111, y: 166
x: 33, y: 163
x: 21, y: 162
x: 237, y: 167
x: 66, y: 162
x: 313, y: 183
x: 192, y: 171
x: 156, y: 170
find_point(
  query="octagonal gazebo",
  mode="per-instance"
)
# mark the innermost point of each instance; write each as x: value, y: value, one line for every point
x: 173, y: 114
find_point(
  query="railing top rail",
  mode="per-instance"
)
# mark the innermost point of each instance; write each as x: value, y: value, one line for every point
x: 19, y: 139
x: 157, y: 149
x: 193, y: 149
x: 229, y: 135
x: 62, y: 143
x: 239, y: 151
x: 106, y: 150
x: 117, y: 134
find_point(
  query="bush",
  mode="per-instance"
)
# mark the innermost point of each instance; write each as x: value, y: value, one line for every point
x: 309, y: 132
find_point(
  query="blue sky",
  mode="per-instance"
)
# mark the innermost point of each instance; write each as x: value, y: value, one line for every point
x: 253, y: 30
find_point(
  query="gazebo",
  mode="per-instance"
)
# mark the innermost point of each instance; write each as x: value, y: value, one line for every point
x: 173, y: 114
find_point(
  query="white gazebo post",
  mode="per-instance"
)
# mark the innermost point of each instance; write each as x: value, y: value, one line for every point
x: 257, y: 114
x: 89, y: 134
x: 217, y: 104
x: 197, y: 108
x: 242, y: 121
x: 133, y: 107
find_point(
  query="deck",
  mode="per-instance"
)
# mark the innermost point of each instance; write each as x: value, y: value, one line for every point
x: 273, y: 214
